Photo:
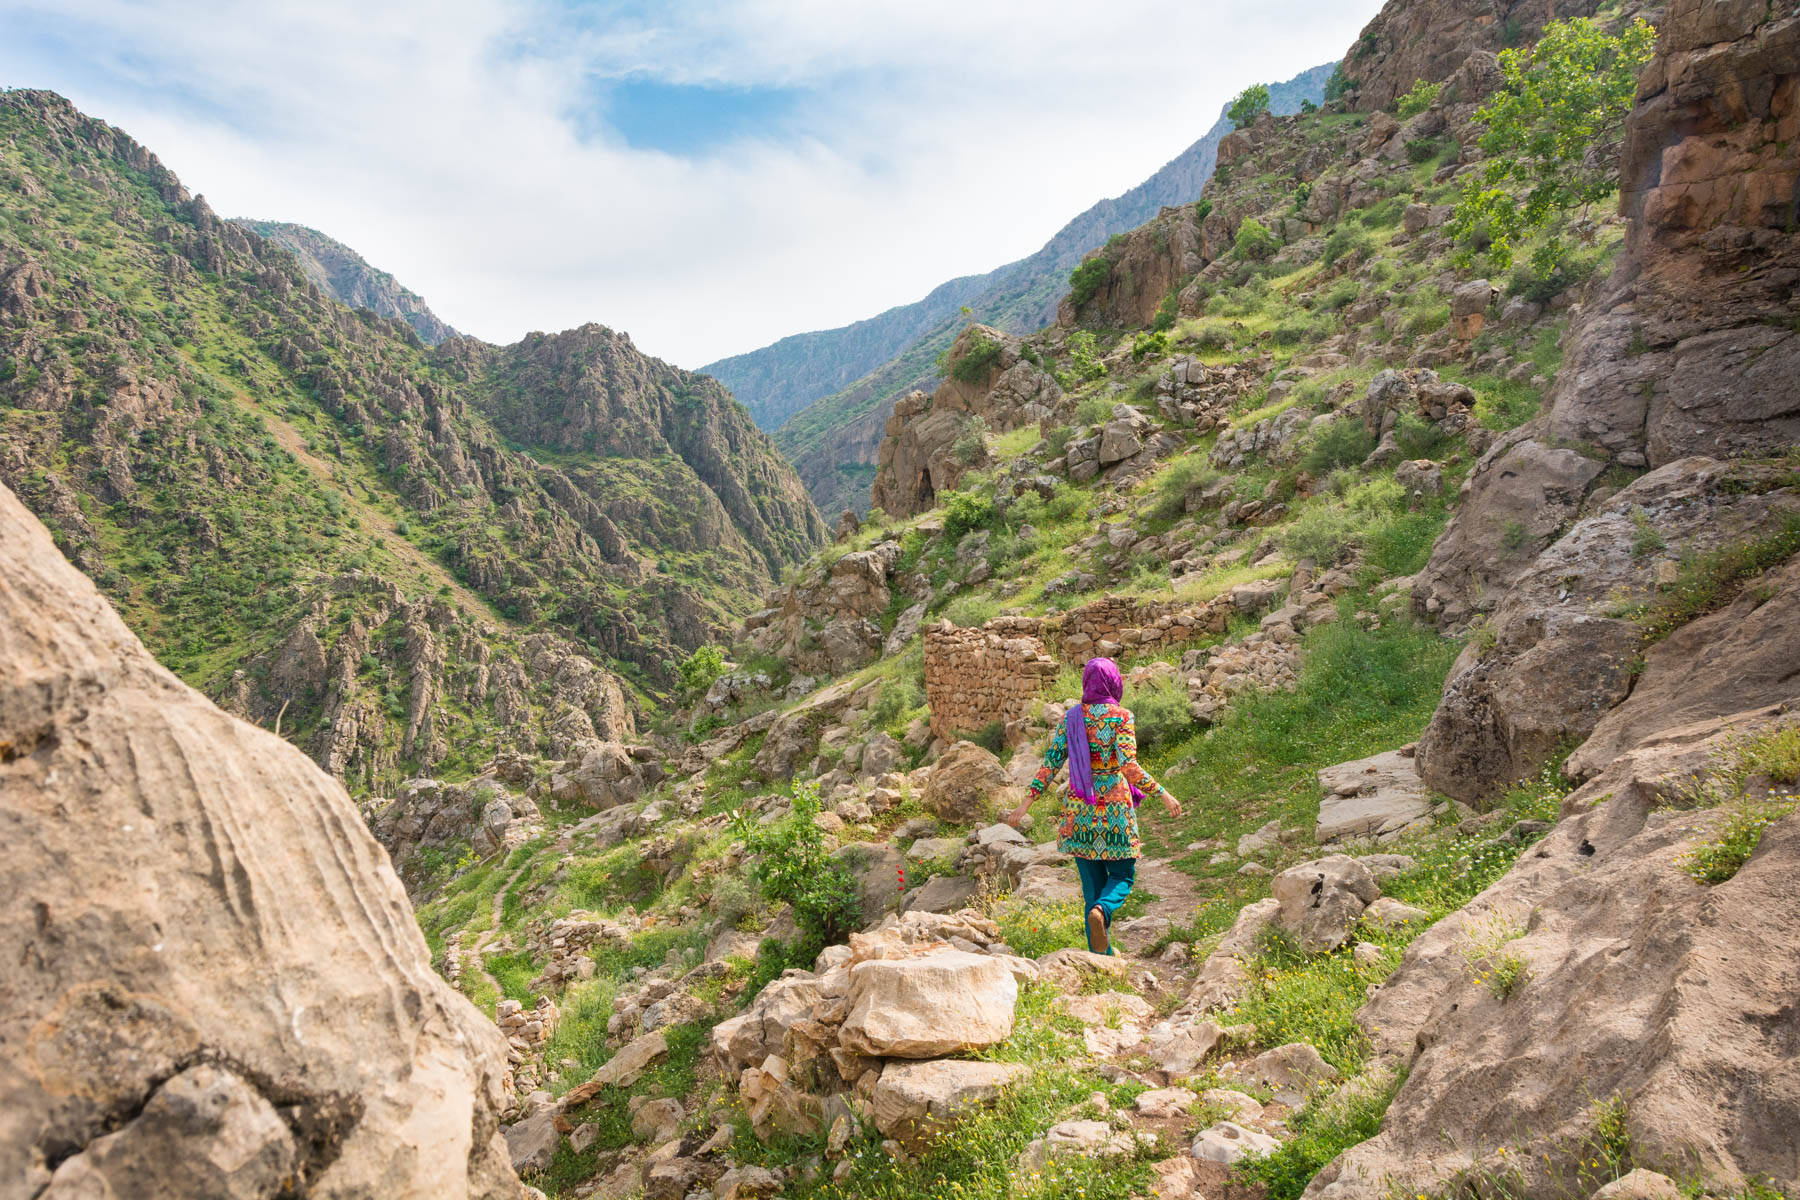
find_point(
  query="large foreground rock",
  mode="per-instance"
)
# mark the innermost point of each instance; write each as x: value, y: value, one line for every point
x: 1641, y: 984
x: 949, y: 1002
x: 184, y: 888
x: 915, y: 1099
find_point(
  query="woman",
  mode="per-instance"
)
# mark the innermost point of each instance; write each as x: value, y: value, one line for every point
x: 1099, y: 812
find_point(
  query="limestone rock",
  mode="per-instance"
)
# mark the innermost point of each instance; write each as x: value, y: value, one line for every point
x: 915, y: 1099
x: 1090, y: 1139
x: 949, y: 1002
x: 205, y: 1132
x: 1321, y: 900
x: 1379, y: 797
x: 1389, y: 913
x: 532, y: 1142
x: 747, y: 1040
x: 1291, y: 1072
x: 963, y: 785
x: 1618, y: 938
x: 1640, y: 1184
x: 182, y: 860
x: 1228, y: 1143
x: 1221, y: 980
x: 941, y: 894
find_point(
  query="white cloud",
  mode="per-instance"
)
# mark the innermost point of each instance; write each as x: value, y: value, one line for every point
x: 442, y: 138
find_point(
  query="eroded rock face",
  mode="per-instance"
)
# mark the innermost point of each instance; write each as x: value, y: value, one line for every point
x: 1560, y: 659
x: 197, y: 890
x: 1678, y: 996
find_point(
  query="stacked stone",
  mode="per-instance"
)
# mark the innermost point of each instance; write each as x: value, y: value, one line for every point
x: 526, y: 1028
x: 974, y: 677
x: 568, y: 939
x: 1113, y: 626
x: 1259, y: 663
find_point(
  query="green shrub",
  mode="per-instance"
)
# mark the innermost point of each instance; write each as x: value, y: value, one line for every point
x: 1322, y: 533
x: 1422, y: 96
x: 990, y: 737
x: 1084, y: 355
x: 1417, y: 437
x: 699, y: 670
x: 970, y: 446
x: 1149, y: 342
x: 1346, y: 241
x: 1343, y: 293
x: 1250, y: 104
x: 981, y: 353
x: 1384, y: 214
x: 1160, y: 714
x: 1255, y: 241
x: 794, y: 867
x: 1202, y: 210
x: 1423, y: 150
x: 1210, y: 339
x: 1057, y: 440
x: 1093, y: 410
x: 1086, y: 279
x: 1308, y: 108
x: 1166, y: 312
x: 965, y: 512
x: 1338, y: 84
x: 1341, y: 443
x: 1172, y: 486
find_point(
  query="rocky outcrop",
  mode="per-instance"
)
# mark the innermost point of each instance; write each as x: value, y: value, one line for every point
x: 923, y: 453
x: 1142, y: 268
x: 1668, y: 997
x: 1690, y: 347
x: 1560, y: 656
x: 827, y: 621
x: 482, y: 816
x: 214, y: 980
x: 346, y: 277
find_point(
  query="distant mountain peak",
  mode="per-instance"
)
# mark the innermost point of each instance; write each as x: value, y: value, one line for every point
x: 348, y: 278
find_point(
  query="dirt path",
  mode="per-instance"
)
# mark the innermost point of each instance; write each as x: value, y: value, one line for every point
x: 1177, y: 898
x: 476, y: 956
x: 291, y: 440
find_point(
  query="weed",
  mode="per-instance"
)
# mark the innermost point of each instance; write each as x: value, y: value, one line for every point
x: 1707, y: 582
x: 1320, y: 1132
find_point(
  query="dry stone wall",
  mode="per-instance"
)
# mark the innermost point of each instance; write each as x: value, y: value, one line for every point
x: 974, y: 677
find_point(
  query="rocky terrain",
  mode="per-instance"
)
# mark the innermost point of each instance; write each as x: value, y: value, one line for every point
x: 342, y: 274
x: 311, y: 515
x: 826, y: 396
x: 1456, y: 602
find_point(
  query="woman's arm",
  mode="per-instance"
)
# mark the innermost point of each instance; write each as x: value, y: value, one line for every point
x: 1054, y: 758
x: 1135, y: 773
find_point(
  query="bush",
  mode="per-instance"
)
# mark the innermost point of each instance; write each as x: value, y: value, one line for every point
x: 1160, y: 714
x: 1423, y: 150
x: 1202, y: 210
x: 1341, y: 443
x: 1211, y: 339
x: 965, y: 512
x: 1057, y: 440
x: 1172, y: 486
x: 1086, y: 279
x: 1422, y: 96
x: 1084, y: 355
x: 794, y: 867
x: 1321, y: 533
x: 970, y: 446
x: 1343, y: 294
x: 1255, y: 241
x: 1149, y: 342
x: 980, y: 355
x: 1308, y: 108
x: 699, y: 670
x: 990, y: 737
x: 1338, y: 84
x: 1250, y: 104
x: 1417, y: 437
x: 1166, y: 312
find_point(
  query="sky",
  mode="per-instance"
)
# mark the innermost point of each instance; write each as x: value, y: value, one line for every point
x: 707, y: 175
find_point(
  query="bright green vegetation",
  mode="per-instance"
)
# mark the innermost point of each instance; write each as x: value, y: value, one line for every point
x: 1320, y: 1132
x: 795, y: 867
x: 1085, y: 280
x: 1563, y: 96
x: 1768, y: 759
x: 1250, y: 104
x: 1422, y: 96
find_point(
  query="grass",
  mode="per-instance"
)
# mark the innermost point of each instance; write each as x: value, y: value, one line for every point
x: 1319, y: 1133
x: 1707, y: 582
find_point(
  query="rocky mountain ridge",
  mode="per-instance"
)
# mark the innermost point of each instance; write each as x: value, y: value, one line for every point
x: 320, y: 521
x: 826, y: 396
x: 342, y: 274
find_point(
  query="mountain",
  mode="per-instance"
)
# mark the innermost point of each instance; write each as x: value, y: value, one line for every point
x: 342, y: 274
x: 827, y: 394
x: 406, y: 559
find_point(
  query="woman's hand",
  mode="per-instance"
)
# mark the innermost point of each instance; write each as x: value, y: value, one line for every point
x: 1173, y: 805
x: 1018, y: 814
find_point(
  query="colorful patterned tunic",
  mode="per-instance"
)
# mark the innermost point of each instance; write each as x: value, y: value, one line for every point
x: 1107, y: 829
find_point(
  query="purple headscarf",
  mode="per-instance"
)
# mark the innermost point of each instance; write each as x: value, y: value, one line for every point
x: 1101, y: 683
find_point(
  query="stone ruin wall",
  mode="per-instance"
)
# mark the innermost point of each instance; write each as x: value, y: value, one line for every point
x: 975, y: 677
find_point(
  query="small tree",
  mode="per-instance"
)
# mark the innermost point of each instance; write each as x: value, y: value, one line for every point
x: 1422, y: 97
x: 1255, y: 240
x: 1085, y: 280
x: 699, y: 670
x: 1251, y: 103
x: 1554, y: 126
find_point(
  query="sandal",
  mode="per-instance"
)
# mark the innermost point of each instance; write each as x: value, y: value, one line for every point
x: 1096, y: 924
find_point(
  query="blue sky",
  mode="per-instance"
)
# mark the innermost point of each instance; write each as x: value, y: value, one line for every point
x: 707, y: 175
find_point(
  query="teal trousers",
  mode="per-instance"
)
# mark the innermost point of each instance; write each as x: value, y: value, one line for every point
x: 1105, y: 882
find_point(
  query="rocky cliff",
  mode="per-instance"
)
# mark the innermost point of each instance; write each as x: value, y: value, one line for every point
x: 1688, y: 365
x: 215, y: 986
x: 406, y: 559
x: 342, y: 274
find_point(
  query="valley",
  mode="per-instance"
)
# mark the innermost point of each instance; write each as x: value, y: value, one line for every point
x: 1434, y: 483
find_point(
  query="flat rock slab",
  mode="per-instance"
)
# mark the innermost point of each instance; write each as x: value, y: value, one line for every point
x: 914, y: 1098
x: 1372, y: 797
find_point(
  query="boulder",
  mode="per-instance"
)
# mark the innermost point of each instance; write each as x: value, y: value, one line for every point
x: 949, y: 1002
x: 1089, y: 1139
x: 1640, y: 1184
x: 963, y: 785
x: 1379, y: 797
x: 1118, y: 441
x: 205, y: 1132
x: 913, y: 1100
x: 749, y: 1039
x: 532, y: 1142
x: 941, y: 894
x: 197, y: 891
x: 881, y: 755
x: 1320, y: 901
x: 1228, y: 1143
x: 1164, y: 1103
x: 1660, y: 990
x: 1292, y: 1072
x: 1222, y: 978
x: 876, y: 868
x: 1389, y: 913
x: 657, y: 1121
